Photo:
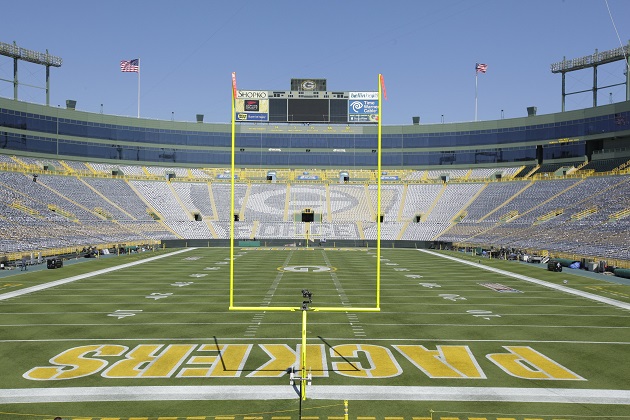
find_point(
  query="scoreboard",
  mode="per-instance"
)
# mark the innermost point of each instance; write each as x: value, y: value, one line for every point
x: 306, y: 106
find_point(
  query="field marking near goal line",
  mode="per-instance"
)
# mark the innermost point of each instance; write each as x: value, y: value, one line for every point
x: 59, y: 282
x: 557, y: 287
x: 352, y: 340
x: 326, y: 392
x: 241, y: 323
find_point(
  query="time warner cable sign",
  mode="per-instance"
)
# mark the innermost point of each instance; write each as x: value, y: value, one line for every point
x: 363, y: 107
x: 252, y: 105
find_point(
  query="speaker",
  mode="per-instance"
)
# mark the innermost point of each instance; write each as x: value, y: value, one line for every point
x: 531, y: 111
x: 199, y: 118
x: 308, y: 216
x: 415, y: 120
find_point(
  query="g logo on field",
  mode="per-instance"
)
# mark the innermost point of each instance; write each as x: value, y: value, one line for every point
x: 306, y: 269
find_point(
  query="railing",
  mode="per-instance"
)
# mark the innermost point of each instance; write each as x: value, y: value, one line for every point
x: 583, y: 213
x: 550, y: 215
x: 75, y: 251
x: 509, y: 216
x: 614, y: 262
x: 620, y: 214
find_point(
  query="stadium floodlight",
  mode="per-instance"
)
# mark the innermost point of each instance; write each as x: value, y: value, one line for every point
x: 597, y: 58
x: 13, y: 51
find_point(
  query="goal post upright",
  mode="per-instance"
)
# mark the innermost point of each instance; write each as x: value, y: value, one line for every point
x: 378, y: 194
x: 232, y: 190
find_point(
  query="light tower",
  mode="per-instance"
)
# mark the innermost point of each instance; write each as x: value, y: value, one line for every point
x: 18, y: 53
x: 594, y: 60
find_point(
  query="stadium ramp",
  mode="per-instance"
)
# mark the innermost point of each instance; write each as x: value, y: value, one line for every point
x: 552, y: 197
x: 287, y: 201
x: 179, y: 201
x: 437, y: 199
x: 107, y: 199
x: 401, y: 209
x: 506, y: 202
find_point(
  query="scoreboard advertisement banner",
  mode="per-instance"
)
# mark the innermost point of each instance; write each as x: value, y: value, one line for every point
x: 251, y: 105
x: 363, y: 107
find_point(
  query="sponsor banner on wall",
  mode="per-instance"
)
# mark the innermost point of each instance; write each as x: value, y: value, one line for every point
x: 363, y: 95
x: 371, y: 118
x: 362, y: 110
x: 251, y: 116
x: 252, y: 109
x: 252, y: 94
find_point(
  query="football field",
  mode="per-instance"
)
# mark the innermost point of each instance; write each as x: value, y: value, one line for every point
x: 151, y: 336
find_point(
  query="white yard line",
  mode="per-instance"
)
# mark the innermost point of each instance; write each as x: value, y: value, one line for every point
x: 297, y: 339
x: 356, y: 393
x: 59, y: 282
x: 418, y: 324
x: 557, y: 287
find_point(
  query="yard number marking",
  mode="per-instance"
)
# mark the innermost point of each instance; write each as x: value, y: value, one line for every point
x: 124, y: 313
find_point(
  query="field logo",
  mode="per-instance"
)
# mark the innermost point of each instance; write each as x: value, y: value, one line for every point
x: 306, y: 269
x: 269, y: 360
x: 497, y: 287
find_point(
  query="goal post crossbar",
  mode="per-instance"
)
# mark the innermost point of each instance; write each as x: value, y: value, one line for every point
x: 296, y: 308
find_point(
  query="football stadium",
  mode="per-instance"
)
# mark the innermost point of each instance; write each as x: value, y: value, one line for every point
x: 352, y: 269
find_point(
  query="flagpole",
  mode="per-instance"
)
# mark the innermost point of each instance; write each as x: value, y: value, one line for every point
x: 476, y: 76
x: 138, y: 87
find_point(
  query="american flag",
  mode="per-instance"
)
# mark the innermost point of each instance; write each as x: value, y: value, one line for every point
x: 481, y: 67
x: 130, y: 65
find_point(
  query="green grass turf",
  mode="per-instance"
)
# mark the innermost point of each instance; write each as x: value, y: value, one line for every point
x: 176, y: 306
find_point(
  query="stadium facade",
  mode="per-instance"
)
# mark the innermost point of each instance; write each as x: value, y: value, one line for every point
x: 564, y: 183
x: 585, y: 134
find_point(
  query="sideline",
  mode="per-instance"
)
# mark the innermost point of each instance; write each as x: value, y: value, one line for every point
x: 587, y: 295
x: 59, y: 282
x: 325, y: 392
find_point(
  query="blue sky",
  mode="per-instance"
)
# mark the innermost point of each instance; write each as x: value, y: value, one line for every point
x: 426, y: 51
